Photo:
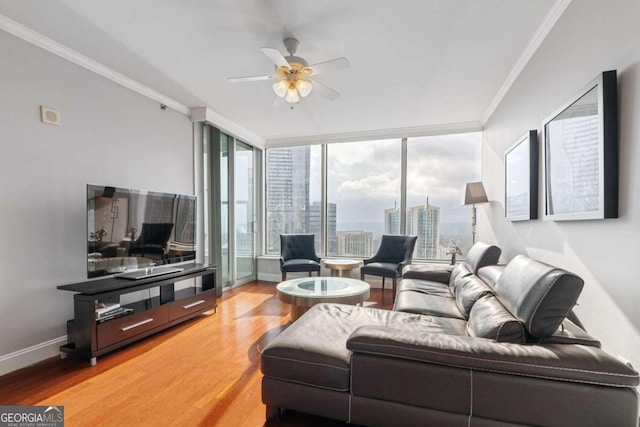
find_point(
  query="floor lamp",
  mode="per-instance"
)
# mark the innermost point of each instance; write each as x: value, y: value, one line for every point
x: 474, y: 193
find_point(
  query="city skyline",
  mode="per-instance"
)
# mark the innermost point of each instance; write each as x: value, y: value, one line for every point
x: 363, y: 181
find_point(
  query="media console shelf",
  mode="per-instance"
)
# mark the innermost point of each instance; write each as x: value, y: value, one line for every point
x: 158, y: 302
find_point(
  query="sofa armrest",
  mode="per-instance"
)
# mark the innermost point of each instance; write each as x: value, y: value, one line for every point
x: 402, y: 266
x: 561, y: 362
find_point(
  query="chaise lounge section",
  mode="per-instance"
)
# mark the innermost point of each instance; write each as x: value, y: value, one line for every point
x: 491, y: 346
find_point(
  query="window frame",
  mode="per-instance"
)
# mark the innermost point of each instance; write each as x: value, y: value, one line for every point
x: 323, y: 250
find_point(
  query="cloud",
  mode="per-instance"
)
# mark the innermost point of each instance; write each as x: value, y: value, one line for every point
x: 437, y: 167
x: 364, y: 177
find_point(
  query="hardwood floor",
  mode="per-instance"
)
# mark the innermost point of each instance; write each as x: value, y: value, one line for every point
x: 205, y: 372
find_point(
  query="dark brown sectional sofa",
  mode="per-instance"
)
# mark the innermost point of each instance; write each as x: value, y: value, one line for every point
x: 475, y: 345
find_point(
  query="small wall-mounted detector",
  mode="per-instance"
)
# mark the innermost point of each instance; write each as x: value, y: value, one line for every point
x: 49, y: 116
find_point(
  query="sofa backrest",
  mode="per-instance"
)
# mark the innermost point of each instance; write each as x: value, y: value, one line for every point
x: 459, y: 271
x: 467, y: 290
x: 482, y: 254
x: 488, y: 318
x: 537, y: 294
x: 490, y: 274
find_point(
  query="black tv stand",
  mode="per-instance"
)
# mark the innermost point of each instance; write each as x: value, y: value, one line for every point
x: 148, y: 272
x: 156, y: 301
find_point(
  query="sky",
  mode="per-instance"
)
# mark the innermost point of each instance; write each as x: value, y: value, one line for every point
x: 364, y: 177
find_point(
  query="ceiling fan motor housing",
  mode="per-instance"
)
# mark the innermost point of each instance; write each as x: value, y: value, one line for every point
x: 291, y: 45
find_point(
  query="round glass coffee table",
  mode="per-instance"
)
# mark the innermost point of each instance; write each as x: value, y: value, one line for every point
x: 341, y: 267
x: 309, y: 291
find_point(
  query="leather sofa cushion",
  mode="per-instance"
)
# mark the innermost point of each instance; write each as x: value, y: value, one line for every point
x: 426, y: 287
x: 468, y: 290
x: 312, y: 350
x: 490, y: 274
x: 537, y: 294
x: 460, y: 270
x: 435, y: 273
x: 490, y: 319
x: 419, y: 302
x: 482, y: 254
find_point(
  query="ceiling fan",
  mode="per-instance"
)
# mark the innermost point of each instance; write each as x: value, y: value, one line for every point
x: 293, y: 74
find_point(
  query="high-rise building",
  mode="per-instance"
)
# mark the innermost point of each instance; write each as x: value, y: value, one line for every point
x: 422, y: 221
x: 287, y: 193
x: 355, y: 243
x: 314, y: 225
x: 392, y: 221
x: 425, y: 223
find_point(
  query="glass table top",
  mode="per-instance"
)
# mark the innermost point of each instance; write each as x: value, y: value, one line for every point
x: 320, y: 287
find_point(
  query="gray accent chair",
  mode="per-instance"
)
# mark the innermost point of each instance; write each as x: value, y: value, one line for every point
x: 298, y: 254
x: 395, y: 252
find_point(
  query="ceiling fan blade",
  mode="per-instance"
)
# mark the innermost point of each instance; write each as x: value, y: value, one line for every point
x: 279, y: 102
x: 331, y: 65
x: 250, y: 78
x: 275, y: 56
x: 325, y: 91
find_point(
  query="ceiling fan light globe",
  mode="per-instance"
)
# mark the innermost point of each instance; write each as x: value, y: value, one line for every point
x: 292, y: 96
x: 304, y: 87
x: 280, y: 88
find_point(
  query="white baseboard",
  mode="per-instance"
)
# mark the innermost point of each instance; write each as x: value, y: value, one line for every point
x: 268, y: 277
x: 30, y: 355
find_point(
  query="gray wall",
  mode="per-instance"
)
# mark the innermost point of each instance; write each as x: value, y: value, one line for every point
x: 592, y: 36
x: 109, y: 135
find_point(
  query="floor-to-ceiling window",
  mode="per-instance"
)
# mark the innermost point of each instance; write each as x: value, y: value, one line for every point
x: 293, y: 202
x: 363, y: 191
x: 438, y: 167
x: 365, y: 197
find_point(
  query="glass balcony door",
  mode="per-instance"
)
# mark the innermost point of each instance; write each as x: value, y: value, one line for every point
x: 231, y: 208
x: 244, y: 213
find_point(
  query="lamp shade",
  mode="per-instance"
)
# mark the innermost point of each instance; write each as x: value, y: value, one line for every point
x: 292, y: 95
x: 280, y: 88
x: 304, y: 87
x: 474, y: 193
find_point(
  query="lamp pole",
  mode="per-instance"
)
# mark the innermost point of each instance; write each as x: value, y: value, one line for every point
x: 473, y: 224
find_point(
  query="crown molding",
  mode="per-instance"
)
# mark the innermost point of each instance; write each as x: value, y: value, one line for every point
x: 543, y: 30
x: 33, y: 37
x: 213, y: 117
x: 371, y: 135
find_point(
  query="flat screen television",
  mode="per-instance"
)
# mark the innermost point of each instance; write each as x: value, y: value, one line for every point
x: 130, y: 229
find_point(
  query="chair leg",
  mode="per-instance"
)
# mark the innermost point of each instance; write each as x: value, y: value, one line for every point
x: 310, y: 273
x: 383, y: 283
x: 362, y: 276
x: 284, y: 276
x: 394, y: 288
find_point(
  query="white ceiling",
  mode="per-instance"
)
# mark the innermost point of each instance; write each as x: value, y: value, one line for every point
x: 416, y: 63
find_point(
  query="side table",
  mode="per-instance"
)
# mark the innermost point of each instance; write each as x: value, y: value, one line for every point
x: 341, y: 267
